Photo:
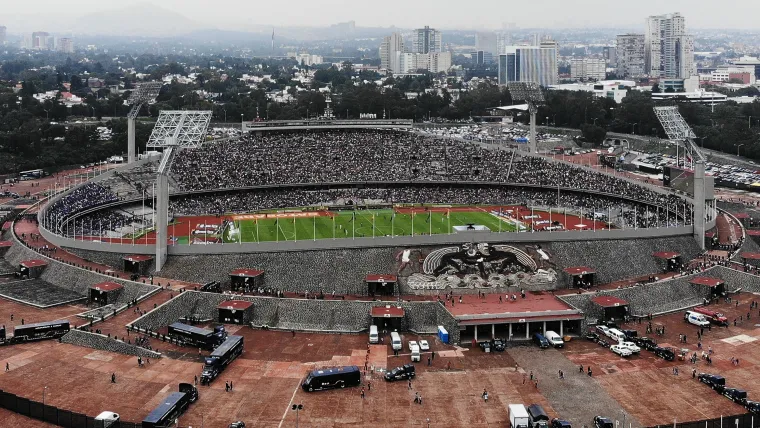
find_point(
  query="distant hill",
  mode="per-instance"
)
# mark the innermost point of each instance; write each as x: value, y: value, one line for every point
x: 142, y: 19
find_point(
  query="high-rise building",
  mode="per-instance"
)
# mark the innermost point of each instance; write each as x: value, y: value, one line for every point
x: 3, y: 34
x: 435, y: 62
x: 426, y: 40
x: 66, y: 45
x: 388, y: 48
x: 588, y: 68
x: 668, y: 49
x: 529, y: 64
x: 610, y: 55
x: 630, y: 55
x: 486, y: 41
x: 503, y: 40
x: 40, y: 40
x: 481, y: 57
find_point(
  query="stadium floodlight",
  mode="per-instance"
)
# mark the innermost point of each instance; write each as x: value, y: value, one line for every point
x: 143, y: 93
x: 531, y: 94
x: 181, y: 128
x: 678, y: 130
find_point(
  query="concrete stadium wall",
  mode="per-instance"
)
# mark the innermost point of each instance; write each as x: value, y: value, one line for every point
x: 105, y: 343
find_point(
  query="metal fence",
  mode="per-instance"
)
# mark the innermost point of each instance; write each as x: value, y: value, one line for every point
x: 54, y: 415
x: 747, y: 420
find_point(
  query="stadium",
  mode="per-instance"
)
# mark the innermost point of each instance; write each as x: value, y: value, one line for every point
x: 297, y: 237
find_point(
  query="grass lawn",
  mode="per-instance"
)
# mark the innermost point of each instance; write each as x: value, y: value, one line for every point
x: 368, y: 223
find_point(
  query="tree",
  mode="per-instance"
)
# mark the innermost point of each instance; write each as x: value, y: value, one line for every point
x: 593, y: 134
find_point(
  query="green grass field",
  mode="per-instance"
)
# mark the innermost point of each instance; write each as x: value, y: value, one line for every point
x: 342, y: 226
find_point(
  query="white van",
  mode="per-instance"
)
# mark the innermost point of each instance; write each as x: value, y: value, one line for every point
x: 373, y: 336
x: 396, y: 341
x: 415, y: 353
x: 696, y: 319
x: 108, y: 418
x: 554, y: 339
x: 616, y: 335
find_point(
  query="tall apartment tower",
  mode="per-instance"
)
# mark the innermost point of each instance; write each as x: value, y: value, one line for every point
x: 65, y: 45
x: 388, y: 48
x: 630, y: 55
x: 3, y: 34
x: 668, y: 49
x: 426, y: 40
x: 529, y: 64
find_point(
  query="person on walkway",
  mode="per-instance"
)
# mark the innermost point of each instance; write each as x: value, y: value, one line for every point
x: 362, y: 393
x: 410, y: 384
x: 485, y: 395
x: 113, y: 377
x: 226, y: 386
x: 7, y: 367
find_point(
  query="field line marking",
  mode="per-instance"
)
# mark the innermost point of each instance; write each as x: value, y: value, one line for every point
x: 292, y: 397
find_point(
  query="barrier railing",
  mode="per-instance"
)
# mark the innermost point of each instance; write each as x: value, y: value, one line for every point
x: 747, y: 420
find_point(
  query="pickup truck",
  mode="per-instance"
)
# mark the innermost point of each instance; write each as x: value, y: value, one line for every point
x: 736, y: 395
x: 645, y: 342
x: 492, y: 345
x: 400, y: 373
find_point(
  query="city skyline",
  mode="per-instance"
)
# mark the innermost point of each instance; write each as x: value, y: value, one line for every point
x: 549, y: 14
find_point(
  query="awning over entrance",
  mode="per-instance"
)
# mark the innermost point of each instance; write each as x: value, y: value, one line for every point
x: 387, y: 312
x: 246, y: 273
x: 666, y: 254
x: 33, y: 263
x: 751, y: 256
x: 609, y: 301
x: 235, y: 305
x: 706, y: 280
x: 579, y: 270
x: 106, y: 286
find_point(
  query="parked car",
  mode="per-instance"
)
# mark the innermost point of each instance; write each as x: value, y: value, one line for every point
x: 666, y: 354
x: 602, y: 422
x: 540, y: 340
x: 752, y: 407
x: 400, y: 373
x: 592, y: 336
x: 736, y: 395
x: 620, y: 350
x: 411, y: 344
x: 630, y: 346
x: 424, y: 346
x: 695, y: 318
x: 603, y: 329
x: 603, y: 343
x: 238, y: 424
x: 645, y: 342
x: 630, y: 333
x: 559, y: 423
x: 715, y: 382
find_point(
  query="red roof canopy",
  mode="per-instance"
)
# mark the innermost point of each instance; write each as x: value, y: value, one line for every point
x: 609, y: 301
x: 741, y: 215
x: 7, y: 225
x: 5, y: 244
x: 106, y: 286
x: 520, y: 319
x: 753, y: 232
x: 579, y: 270
x: 386, y: 312
x: 751, y: 256
x: 380, y: 278
x: 666, y: 254
x: 235, y: 305
x: 246, y: 272
x: 707, y: 280
x: 33, y: 263
x: 709, y: 234
x: 138, y: 258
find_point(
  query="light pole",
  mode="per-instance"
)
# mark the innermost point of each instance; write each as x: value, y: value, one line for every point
x: 633, y: 128
x: 737, y: 149
x: 241, y: 122
x: 297, y: 408
x: 43, y: 395
x: 428, y: 422
x: 595, y: 119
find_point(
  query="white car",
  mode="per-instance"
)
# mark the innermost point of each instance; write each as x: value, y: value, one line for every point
x: 630, y: 346
x: 424, y: 345
x: 603, y: 329
x: 623, y: 352
x: 412, y: 344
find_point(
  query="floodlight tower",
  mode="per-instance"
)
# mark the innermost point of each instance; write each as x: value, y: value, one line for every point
x: 679, y: 131
x: 531, y: 93
x: 143, y: 93
x: 174, y: 131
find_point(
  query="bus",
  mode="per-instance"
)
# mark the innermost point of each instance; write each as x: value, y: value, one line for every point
x: 171, y: 408
x: 221, y: 358
x: 336, y: 377
x: 198, y: 337
x: 31, y: 174
x: 40, y: 331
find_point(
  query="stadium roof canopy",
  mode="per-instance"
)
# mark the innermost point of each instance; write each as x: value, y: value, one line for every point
x: 609, y: 301
x: 387, y: 312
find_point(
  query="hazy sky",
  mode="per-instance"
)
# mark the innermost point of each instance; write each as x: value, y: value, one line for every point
x: 484, y: 14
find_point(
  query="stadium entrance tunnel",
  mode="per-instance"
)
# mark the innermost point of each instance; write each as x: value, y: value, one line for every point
x: 105, y: 292
x: 31, y: 268
x: 517, y: 329
x: 246, y: 280
x: 613, y: 308
x: 235, y: 312
x: 383, y: 285
x: 671, y: 261
x: 716, y: 285
x: 579, y: 277
x: 137, y: 264
x: 387, y: 318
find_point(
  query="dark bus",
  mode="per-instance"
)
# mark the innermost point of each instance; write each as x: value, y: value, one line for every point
x: 221, y: 358
x: 198, y: 337
x: 171, y: 408
x: 336, y: 377
x: 40, y: 331
x: 2, y: 335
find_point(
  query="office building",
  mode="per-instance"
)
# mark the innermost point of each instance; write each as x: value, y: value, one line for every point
x: 66, y: 45
x: 408, y: 62
x: 529, y: 64
x: 3, y: 34
x: 482, y: 57
x: 41, y: 40
x: 388, y: 48
x: 609, y: 53
x: 426, y: 40
x: 630, y: 55
x: 668, y: 49
x: 486, y: 41
x: 502, y: 41
x: 749, y: 62
x: 588, y: 69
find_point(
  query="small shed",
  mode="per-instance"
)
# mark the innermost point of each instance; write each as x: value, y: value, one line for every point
x: 716, y: 285
x: 246, y: 280
x: 235, y: 312
x: 613, y: 307
x: 105, y: 292
x: 388, y: 317
x: 579, y: 276
x: 671, y: 260
x: 384, y: 285
x: 138, y: 264
x: 4, y: 246
x: 31, y: 268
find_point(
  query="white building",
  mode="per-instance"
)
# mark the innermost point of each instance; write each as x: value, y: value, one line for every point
x: 612, y: 89
x: 669, y: 50
x: 529, y: 64
x: 630, y: 55
x: 588, y: 68
x: 406, y: 62
x: 426, y: 40
x: 65, y: 45
x: 388, y: 48
x: 309, y: 59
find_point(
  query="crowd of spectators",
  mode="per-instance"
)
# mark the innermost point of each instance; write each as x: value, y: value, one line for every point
x: 100, y: 223
x: 86, y: 196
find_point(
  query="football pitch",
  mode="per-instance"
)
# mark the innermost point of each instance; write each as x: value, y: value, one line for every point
x: 360, y: 224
